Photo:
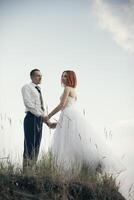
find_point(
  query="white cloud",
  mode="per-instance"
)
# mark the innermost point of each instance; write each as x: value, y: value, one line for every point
x: 117, y: 18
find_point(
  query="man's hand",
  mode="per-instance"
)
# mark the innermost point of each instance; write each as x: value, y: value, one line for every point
x: 45, y: 119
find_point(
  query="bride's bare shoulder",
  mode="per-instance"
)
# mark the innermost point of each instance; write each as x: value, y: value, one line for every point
x: 73, y: 93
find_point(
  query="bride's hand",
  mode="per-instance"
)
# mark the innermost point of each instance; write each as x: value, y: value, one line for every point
x: 53, y: 125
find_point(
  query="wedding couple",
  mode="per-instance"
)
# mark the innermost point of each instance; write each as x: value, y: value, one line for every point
x: 35, y: 112
x: 74, y: 140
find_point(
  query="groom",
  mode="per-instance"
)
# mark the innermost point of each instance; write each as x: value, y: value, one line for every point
x: 33, y: 121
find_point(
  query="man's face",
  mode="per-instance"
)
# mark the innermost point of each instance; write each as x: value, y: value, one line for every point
x: 36, y: 78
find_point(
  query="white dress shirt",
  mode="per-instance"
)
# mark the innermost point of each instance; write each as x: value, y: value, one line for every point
x: 31, y: 98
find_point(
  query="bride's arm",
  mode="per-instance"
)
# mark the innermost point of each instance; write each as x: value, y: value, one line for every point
x: 62, y: 102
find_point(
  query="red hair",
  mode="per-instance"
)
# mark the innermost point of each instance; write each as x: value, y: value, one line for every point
x: 71, y: 78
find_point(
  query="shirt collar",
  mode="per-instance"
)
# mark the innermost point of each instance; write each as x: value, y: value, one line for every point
x: 34, y: 85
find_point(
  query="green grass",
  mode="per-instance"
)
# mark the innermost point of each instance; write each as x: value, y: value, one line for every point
x: 46, y: 182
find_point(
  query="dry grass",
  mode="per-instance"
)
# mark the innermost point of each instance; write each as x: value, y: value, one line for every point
x: 46, y: 182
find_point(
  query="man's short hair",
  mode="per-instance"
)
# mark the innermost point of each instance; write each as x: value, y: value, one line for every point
x: 33, y: 71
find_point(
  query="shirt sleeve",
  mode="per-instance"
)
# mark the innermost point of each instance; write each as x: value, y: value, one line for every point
x: 30, y: 103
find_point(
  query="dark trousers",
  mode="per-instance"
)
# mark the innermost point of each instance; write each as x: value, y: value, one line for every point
x: 32, y: 138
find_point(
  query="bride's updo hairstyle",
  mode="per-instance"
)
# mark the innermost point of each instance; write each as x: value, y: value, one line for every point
x: 71, y: 78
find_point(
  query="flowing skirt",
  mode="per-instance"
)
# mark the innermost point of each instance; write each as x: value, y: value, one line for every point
x: 75, y: 143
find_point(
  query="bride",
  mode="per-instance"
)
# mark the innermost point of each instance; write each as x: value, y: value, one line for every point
x: 74, y: 142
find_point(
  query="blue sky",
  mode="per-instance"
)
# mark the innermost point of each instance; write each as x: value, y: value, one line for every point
x: 120, y: 2
x: 92, y: 37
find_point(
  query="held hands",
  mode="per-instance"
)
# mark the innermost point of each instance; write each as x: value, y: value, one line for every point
x: 46, y: 119
x: 49, y: 124
x: 52, y: 125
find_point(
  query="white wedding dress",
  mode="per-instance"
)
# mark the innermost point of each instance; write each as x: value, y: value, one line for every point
x: 75, y: 143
